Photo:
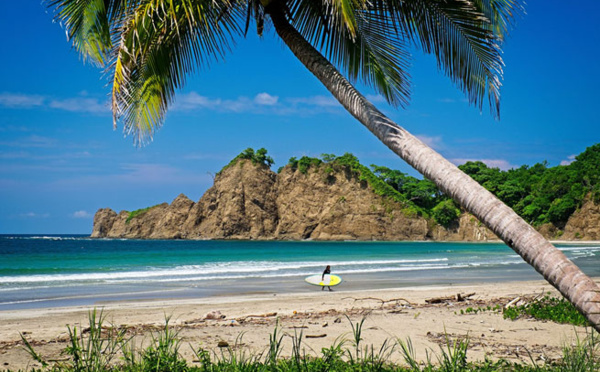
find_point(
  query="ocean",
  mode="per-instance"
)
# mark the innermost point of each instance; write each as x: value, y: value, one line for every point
x: 53, y: 271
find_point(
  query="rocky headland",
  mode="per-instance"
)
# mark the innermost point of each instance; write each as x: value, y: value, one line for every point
x: 328, y: 202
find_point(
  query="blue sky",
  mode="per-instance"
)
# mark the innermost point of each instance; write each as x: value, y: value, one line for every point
x: 60, y: 159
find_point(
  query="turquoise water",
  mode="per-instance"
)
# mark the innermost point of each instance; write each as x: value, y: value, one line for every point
x: 48, y: 271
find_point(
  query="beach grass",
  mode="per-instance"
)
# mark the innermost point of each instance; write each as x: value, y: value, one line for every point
x: 550, y: 308
x: 99, y: 348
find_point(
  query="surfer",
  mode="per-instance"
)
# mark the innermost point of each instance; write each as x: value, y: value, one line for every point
x: 327, y: 271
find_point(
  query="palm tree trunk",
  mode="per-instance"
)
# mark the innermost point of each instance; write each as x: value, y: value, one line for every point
x: 555, y: 267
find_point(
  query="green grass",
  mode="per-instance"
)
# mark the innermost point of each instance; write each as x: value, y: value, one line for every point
x: 105, y: 348
x: 550, y: 308
x: 138, y: 212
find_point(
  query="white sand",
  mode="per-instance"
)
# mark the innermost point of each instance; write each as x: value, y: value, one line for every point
x: 318, y: 313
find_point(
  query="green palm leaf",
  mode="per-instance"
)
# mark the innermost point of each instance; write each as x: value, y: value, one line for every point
x: 464, y: 36
x: 368, y: 50
x: 151, y: 46
x: 86, y: 23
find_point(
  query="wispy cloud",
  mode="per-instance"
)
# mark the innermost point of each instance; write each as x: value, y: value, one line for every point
x: 314, y: 101
x: 375, y: 98
x: 435, y: 142
x: 452, y: 100
x: 80, y: 104
x: 34, y: 141
x: 81, y: 214
x: 34, y: 215
x: 265, y: 99
x: 570, y: 159
x: 261, y: 103
x: 193, y: 101
x: 71, y: 104
x: 135, y: 175
x: 16, y: 100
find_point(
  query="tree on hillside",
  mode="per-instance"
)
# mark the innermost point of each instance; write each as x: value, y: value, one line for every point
x: 150, y: 46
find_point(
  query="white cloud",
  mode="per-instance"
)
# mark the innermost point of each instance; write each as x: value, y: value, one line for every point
x: 570, y: 159
x: 34, y: 215
x: 16, y: 100
x: 193, y: 100
x: 435, y: 142
x: 319, y: 101
x: 80, y: 104
x: 265, y: 99
x: 81, y: 214
x: 262, y: 103
x: 241, y: 104
x: 75, y: 104
x: 31, y: 141
x: 375, y: 98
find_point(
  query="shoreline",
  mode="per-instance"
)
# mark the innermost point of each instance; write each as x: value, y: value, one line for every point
x: 390, y: 313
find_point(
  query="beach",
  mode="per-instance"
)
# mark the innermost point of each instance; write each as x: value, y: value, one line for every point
x: 245, y: 321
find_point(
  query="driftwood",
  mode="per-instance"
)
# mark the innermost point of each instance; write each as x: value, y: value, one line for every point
x: 512, y: 302
x: 316, y: 336
x: 261, y: 315
x: 383, y: 302
x: 458, y: 298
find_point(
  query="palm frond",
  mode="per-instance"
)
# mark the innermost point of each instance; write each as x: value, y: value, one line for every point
x: 500, y: 13
x: 366, y: 46
x: 160, y: 45
x: 465, y: 38
x: 87, y: 26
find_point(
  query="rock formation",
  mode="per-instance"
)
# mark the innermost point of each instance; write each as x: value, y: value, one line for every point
x: 584, y: 224
x: 249, y: 201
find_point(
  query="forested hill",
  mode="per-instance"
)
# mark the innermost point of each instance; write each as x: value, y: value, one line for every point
x: 542, y: 194
x: 338, y: 198
x: 538, y: 193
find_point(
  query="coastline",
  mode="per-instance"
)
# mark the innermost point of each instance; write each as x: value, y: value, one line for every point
x: 390, y: 313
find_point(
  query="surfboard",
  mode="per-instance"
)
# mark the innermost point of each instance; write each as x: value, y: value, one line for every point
x: 328, y: 281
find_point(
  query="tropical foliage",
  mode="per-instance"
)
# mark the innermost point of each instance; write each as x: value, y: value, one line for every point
x: 542, y: 194
x: 550, y: 308
x: 259, y: 157
x: 538, y: 193
x: 149, y: 47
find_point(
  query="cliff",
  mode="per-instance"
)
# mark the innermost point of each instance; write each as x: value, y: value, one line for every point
x: 249, y: 201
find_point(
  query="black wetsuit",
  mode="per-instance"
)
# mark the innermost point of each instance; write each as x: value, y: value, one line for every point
x: 327, y: 271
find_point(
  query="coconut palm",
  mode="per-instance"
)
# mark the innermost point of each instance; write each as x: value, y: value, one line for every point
x: 149, y: 47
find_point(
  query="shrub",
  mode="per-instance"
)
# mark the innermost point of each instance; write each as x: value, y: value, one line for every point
x: 445, y: 213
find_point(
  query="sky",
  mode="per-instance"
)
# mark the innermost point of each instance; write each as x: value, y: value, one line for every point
x: 61, y: 160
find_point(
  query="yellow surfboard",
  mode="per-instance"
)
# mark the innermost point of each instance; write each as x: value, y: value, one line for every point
x: 329, y: 280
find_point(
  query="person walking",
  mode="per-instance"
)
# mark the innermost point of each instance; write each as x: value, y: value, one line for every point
x: 326, y: 272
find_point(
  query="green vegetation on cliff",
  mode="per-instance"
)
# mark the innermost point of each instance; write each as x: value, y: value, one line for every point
x: 138, y: 212
x: 540, y: 194
x: 259, y: 157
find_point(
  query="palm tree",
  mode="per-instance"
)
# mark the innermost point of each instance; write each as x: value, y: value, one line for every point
x: 148, y: 47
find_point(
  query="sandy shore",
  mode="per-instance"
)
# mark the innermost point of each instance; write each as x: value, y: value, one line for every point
x: 320, y: 315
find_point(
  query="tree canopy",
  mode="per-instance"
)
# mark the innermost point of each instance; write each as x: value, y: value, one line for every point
x: 538, y: 193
